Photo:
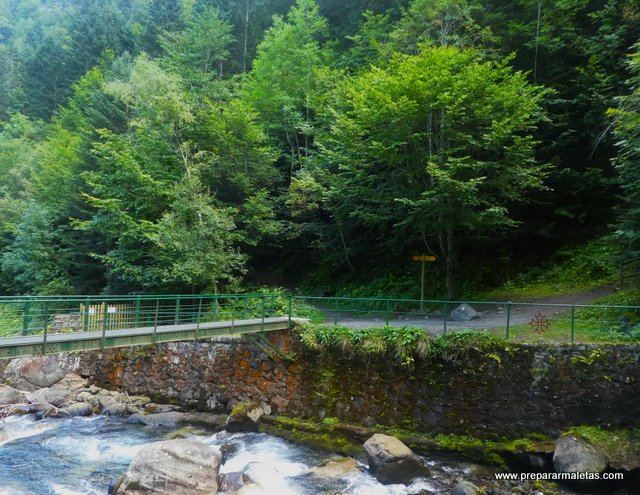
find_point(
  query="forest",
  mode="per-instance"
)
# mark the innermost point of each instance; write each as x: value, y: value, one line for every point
x: 186, y: 146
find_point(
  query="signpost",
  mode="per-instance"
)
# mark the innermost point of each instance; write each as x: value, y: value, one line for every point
x: 423, y: 258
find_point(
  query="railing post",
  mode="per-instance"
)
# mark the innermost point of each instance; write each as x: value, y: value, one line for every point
x: 506, y: 336
x: 335, y: 311
x: 386, y: 312
x: 85, y: 322
x: 233, y: 315
x: 244, y: 307
x: 573, y: 323
x: 446, y: 318
x: 177, y: 319
x: 105, y: 316
x: 215, y: 307
x: 26, y: 318
x: 199, y: 317
x: 155, y: 326
x: 137, y: 311
x: 290, y: 304
x: 46, y: 325
x: 263, y: 311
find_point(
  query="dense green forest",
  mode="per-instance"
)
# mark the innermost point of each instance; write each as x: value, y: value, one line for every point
x: 203, y: 145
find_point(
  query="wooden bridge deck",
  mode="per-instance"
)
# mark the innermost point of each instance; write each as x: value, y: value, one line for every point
x: 34, y: 345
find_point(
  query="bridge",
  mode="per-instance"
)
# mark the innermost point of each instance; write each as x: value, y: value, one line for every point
x: 43, y: 325
x: 36, y: 325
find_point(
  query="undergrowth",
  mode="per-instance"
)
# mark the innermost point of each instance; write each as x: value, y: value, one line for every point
x: 402, y: 344
x: 572, y: 269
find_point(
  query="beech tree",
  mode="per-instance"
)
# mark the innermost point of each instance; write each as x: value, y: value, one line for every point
x: 434, y: 147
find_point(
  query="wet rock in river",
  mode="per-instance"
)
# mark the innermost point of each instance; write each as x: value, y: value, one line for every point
x: 245, y: 416
x: 574, y: 455
x: 391, y: 461
x: 335, y: 468
x: 160, y: 419
x: 77, y: 409
x: 465, y: 488
x: 186, y: 467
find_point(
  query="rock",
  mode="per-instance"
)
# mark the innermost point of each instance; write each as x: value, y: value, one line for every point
x: 245, y: 416
x: 465, y: 488
x: 115, y: 410
x: 230, y: 482
x: 464, y: 312
x: 206, y: 420
x: 55, y: 397
x: 9, y: 395
x: 30, y: 374
x: 152, y: 408
x: 77, y: 409
x: 573, y: 455
x: 335, y: 468
x: 71, y: 382
x: 184, y: 467
x: 114, y: 485
x: 391, y: 461
x: 420, y: 487
x: 160, y: 419
x: 139, y: 400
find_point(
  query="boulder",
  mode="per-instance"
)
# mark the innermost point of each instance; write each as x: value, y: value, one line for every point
x: 115, y: 410
x: 335, y: 468
x: 464, y: 312
x: 160, y: 419
x: 230, y: 482
x: 186, y: 467
x: 152, y: 408
x: 77, y: 409
x: 9, y: 395
x: 391, y: 461
x: 55, y: 397
x: 30, y: 374
x: 71, y: 382
x: 245, y: 416
x: 465, y: 488
x: 574, y: 455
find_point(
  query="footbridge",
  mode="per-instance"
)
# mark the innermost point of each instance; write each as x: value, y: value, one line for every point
x: 42, y: 325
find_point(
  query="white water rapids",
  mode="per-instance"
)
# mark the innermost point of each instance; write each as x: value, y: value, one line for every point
x: 80, y: 456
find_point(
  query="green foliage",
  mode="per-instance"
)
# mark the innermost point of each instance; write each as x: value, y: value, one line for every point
x: 403, y: 344
x: 627, y: 131
x: 456, y: 346
x: 573, y: 268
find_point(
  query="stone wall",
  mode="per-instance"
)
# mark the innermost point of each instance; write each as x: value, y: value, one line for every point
x: 515, y: 390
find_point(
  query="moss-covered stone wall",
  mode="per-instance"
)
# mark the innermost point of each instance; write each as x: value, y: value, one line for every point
x: 512, y: 390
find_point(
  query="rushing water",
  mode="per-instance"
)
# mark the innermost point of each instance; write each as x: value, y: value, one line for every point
x: 80, y: 456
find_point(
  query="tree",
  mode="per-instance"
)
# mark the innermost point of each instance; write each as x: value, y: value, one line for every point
x: 627, y: 161
x: 436, y: 148
x: 285, y: 78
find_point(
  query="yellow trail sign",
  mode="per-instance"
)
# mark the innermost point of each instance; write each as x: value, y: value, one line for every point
x: 424, y: 257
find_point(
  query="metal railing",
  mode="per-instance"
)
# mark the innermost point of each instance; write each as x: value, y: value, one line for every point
x: 516, y: 321
x: 37, y: 315
x: 46, y: 315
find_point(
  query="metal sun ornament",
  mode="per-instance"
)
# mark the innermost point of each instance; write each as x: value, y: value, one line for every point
x: 539, y: 323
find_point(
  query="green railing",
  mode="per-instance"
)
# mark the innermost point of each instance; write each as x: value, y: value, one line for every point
x: 36, y: 315
x: 516, y: 321
x: 45, y: 315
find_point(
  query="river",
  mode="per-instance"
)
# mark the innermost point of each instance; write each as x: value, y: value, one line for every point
x: 80, y: 456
